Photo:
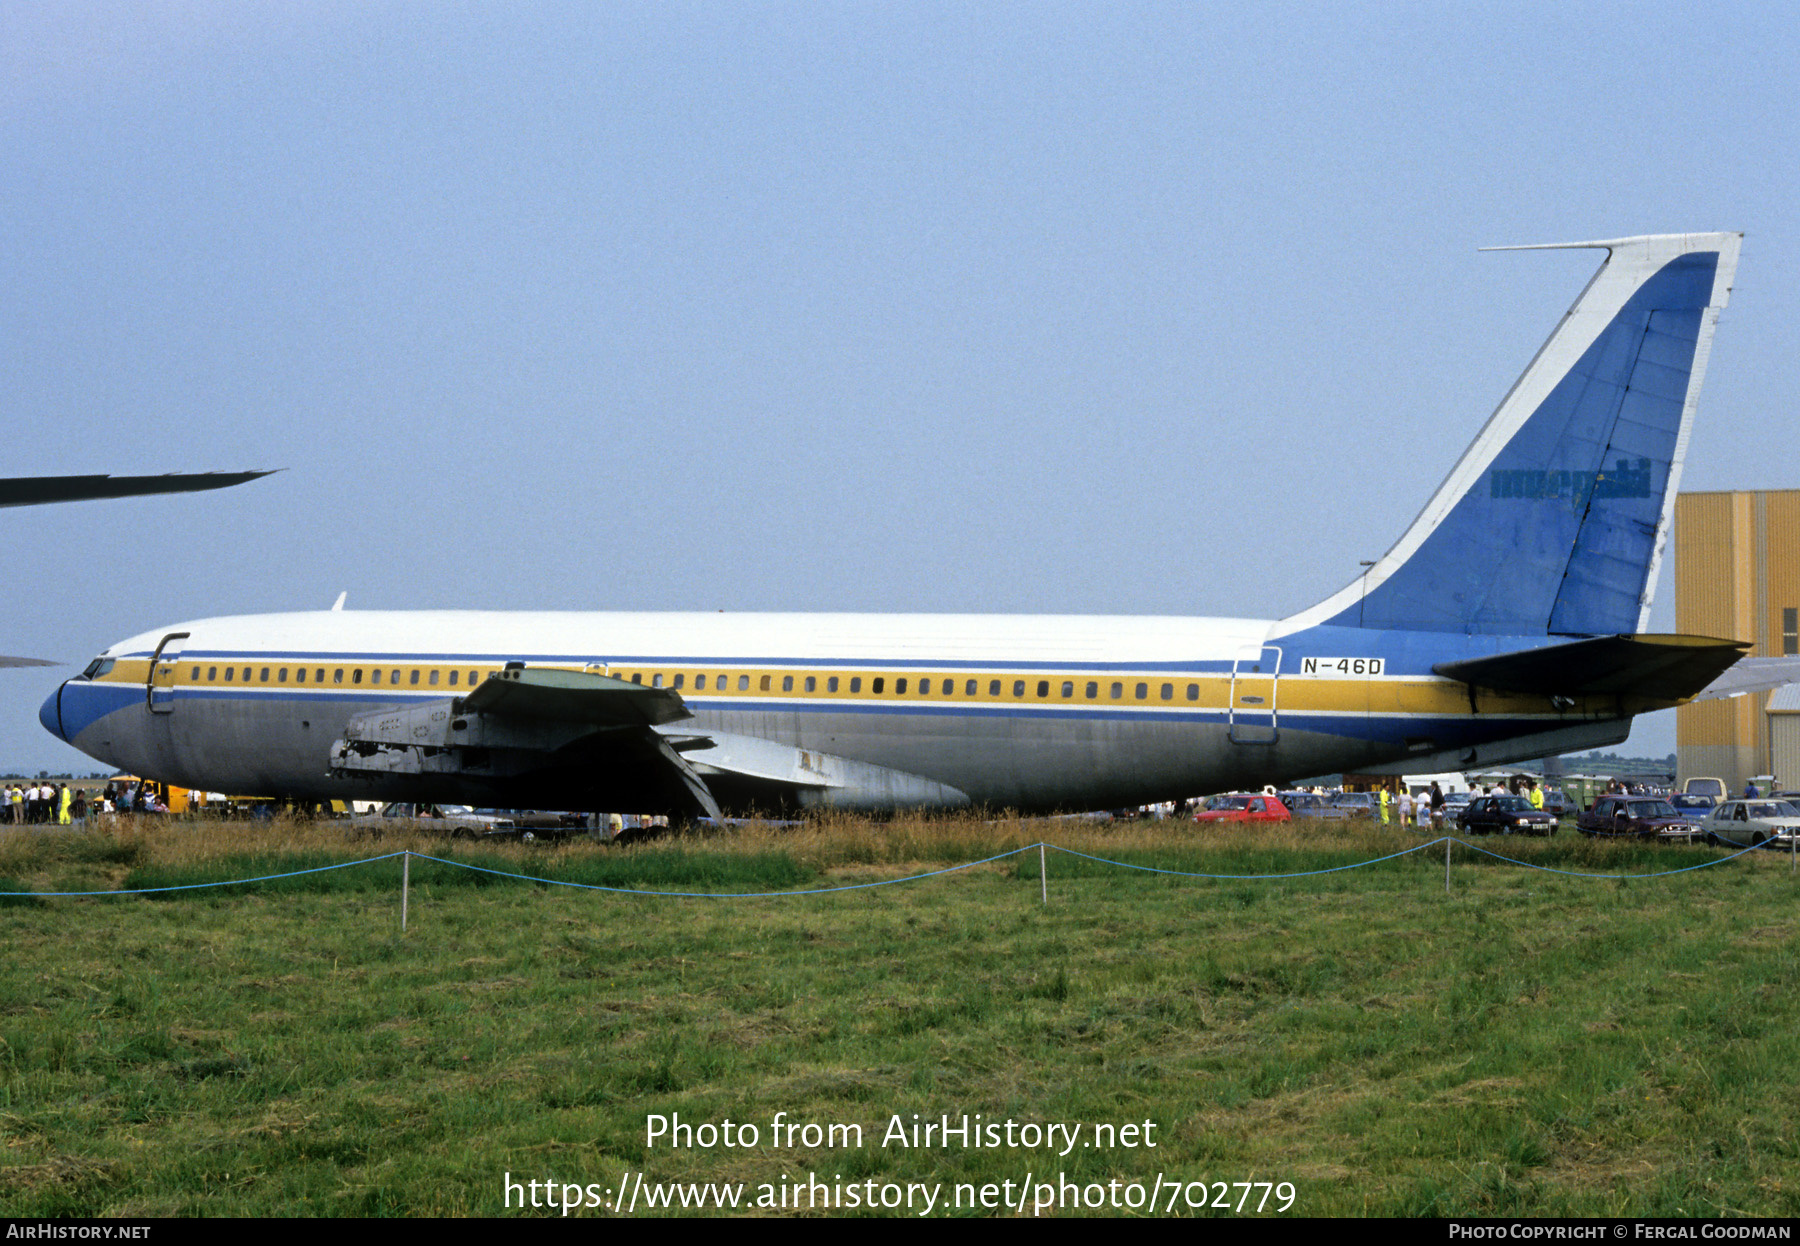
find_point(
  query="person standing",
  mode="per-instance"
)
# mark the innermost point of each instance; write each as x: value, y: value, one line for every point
x: 1404, y: 802
x: 1384, y: 806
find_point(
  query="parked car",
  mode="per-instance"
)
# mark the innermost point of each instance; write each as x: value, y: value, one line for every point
x: 458, y: 820
x: 1359, y: 805
x: 1314, y: 806
x: 533, y: 824
x: 1243, y: 807
x: 1695, y: 809
x: 1505, y: 815
x: 1557, y: 802
x: 1753, y: 823
x: 1642, y: 817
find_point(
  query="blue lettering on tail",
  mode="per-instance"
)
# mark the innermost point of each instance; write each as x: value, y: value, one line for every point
x: 1562, y: 537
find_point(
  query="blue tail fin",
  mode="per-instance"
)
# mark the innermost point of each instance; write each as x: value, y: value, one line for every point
x: 1553, y: 521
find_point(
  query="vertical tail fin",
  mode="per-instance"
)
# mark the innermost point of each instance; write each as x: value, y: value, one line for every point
x: 1554, y: 519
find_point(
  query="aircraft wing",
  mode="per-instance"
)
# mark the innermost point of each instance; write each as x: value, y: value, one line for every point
x: 1752, y: 675
x: 546, y: 738
x: 5, y: 661
x: 1664, y: 668
x: 39, y: 490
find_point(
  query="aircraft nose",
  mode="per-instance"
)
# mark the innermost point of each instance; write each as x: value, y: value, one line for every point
x: 50, y: 714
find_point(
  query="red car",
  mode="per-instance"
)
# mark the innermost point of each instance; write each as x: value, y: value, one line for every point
x: 1243, y: 808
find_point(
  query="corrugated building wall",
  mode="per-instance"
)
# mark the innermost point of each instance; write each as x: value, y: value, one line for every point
x: 1784, y: 734
x: 1737, y: 575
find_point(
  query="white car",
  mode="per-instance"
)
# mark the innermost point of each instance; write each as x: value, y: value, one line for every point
x: 1753, y: 823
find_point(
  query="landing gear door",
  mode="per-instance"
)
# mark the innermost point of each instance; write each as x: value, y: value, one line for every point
x: 1252, y: 717
x: 160, y: 688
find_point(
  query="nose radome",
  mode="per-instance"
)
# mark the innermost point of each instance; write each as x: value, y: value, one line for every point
x: 50, y: 714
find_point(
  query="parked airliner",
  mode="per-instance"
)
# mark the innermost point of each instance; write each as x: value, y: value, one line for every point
x: 1506, y: 623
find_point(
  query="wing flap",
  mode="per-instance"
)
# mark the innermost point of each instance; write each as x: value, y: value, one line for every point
x: 574, y: 697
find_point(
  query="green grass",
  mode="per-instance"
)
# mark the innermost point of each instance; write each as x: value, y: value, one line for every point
x: 1527, y: 1044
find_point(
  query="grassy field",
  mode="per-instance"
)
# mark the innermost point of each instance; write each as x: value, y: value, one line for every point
x: 1530, y: 1043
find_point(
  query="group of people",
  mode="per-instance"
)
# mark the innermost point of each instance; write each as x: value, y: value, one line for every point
x: 44, y: 803
x: 1427, y: 807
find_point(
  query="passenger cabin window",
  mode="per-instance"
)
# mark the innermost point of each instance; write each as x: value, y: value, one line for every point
x: 356, y: 675
x: 924, y: 687
x: 394, y: 677
x: 1068, y: 689
x: 656, y: 681
x: 743, y: 683
x: 679, y: 681
x: 229, y: 672
x: 856, y: 683
x: 212, y: 673
x: 700, y: 683
x: 1092, y: 690
x: 762, y: 685
x: 1143, y: 690
x: 1168, y: 692
x: 433, y: 680
x: 281, y: 676
x: 246, y: 674
x: 877, y: 685
x: 812, y: 683
x: 319, y: 676
x: 1018, y: 687
x: 337, y: 675
x: 787, y: 683
x: 831, y: 684
x: 969, y: 688
x: 474, y: 678
x: 899, y: 687
x: 1043, y: 687
x: 1117, y: 691
x: 1193, y: 692
x: 453, y: 676
x: 993, y: 687
x: 414, y: 677
x: 89, y: 673
x: 299, y: 674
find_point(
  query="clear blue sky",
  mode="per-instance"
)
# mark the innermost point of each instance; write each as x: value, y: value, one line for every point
x: 1072, y: 308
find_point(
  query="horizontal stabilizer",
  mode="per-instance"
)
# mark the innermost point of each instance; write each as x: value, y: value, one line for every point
x: 1662, y: 668
x: 26, y: 662
x: 1752, y: 675
x: 574, y: 697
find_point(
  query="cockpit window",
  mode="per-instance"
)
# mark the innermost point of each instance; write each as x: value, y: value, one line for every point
x: 97, y: 668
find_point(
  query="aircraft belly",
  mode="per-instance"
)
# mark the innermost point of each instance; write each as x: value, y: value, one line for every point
x: 1050, y: 762
x: 1031, y: 762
